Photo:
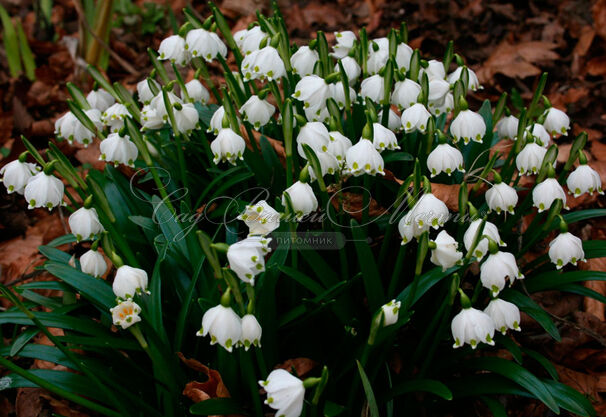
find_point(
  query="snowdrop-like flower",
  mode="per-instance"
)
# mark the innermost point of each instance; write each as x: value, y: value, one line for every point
x: 93, y: 263
x: 403, y: 55
x: 445, y: 158
x: 505, y: 315
x: 556, y: 122
x: 530, y: 158
x: 216, y: 121
x: 303, y: 61
x: 129, y: 281
x: 446, y: 106
x: 383, y: 138
x: 468, y: 125
x: 317, y: 115
x: 472, y: 326
x: 438, y: 89
x: 125, y: 314
x: 151, y: 118
x: 345, y: 41
x: 247, y: 257
x: 545, y: 193
x: 393, y: 120
x: 373, y: 88
x: 16, y: 174
x: 497, y: 268
x: 565, y: 249
x: 69, y: 127
x: 406, y: 228
x: 119, y: 150
x: 205, y: 44
x: 507, y: 127
x: 114, y: 116
x: 228, y: 146
x: 337, y: 92
x: 338, y: 145
x: 315, y: 135
x: 257, y: 111
x: 302, y: 198
x: 261, y: 218
x: 186, y: 117
x: 159, y: 104
x: 405, y: 93
x: 540, y: 134
x: 584, y: 179
x: 328, y: 165
x: 263, y: 64
x: 43, y: 190
x: 144, y: 91
x: 501, y: 197
x: 351, y: 68
x: 223, y: 325
x: 363, y: 158
x: 312, y: 91
x: 456, y: 75
x: 428, y: 212
x: 435, y: 69
x: 391, y: 311
x: 445, y: 253
x: 415, y: 118
x: 100, y: 99
x: 376, y: 60
x: 250, y: 40
x: 285, y: 393
x: 251, y: 332
x: 196, y: 92
x: 481, y: 248
x: 173, y: 49
x: 84, y: 223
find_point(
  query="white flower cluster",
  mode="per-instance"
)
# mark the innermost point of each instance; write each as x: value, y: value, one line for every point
x: 227, y: 329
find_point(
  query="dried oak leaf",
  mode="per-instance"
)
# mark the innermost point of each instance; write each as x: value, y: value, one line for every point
x: 28, y: 403
x: 200, y: 391
x: 517, y: 61
x: 584, y: 383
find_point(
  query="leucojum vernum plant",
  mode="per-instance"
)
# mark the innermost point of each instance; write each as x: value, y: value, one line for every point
x: 287, y: 236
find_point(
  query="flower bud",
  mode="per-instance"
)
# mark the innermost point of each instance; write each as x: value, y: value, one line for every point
x: 186, y: 118
x: 390, y: 312
x: 540, y: 134
x: 216, y: 121
x: 144, y: 90
x: 434, y: 70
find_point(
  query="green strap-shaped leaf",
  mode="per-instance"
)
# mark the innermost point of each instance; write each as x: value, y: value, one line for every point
x: 552, y: 279
x: 370, y: 395
x: 424, y: 385
x: 534, y: 310
x: 570, y: 399
x: 370, y: 271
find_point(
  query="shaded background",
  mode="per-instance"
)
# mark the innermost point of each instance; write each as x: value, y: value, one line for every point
x: 508, y: 44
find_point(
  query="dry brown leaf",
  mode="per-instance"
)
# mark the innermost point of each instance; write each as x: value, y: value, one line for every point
x: 597, y: 66
x: 28, y: 402
x: 63, y: 407
x: 592, y: 306
x: 200, y: 391
x: 584, y: 383
x: 302, y: 366
x: 599, y: 17
x: 351, y: 203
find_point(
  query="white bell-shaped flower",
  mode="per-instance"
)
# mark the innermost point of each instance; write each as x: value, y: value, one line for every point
x: 196, y: 92
x: 446, y: 106
x: 159, y: 104
x: 16, y: 174
x: 118, y: 149
x: 262, y: 64
x: 205, y: 44
x: 391, y: 311
x: 338, y: 145
x: 302, y: 198
x: 315, y: 135
x: 540, y: 134
x: 438, y: 89
x: 69, y: 127
x: 405, y: 94
x: 93, y: 263
x: 473, y: 327
x: 363, y: 158
x: 345, y: 41
x: 481, y: 248
x: 257, y: 111
x: 376, y: 60
x: 337, y: 92
x: 429, y: 211
x: 173, y: 50
x: 247, y: 257
x: 445, y: 158
x: 216, y: 121
x: 505, y: 315
x: 228, y: 146
x: 468, y: 125
x: 312, y: 91
x: 556, y: 122
x: 445, y: 253
x: 151, y: 119
x: 393, y: 120
x: 351, y: 67
x: 43, y: 190
x: 456, y: 75
x: 415, y: 118
x: 303, y: 61
x: 507, y: 127
x: 223, y: 326
x: 113, y: 117
x: 565, y: 249
x: 496, y: 269
x: 100, y: 99
x: 373, y: 88
x: 186, y: 118
x: 434, y: 70
x: 84, y: 223
x: 383, y: 138
x: 129, y: 281
x: 261, y: 218
x: 321, y: 115
x: 545, y: 193
x: 328, y: 165
x: 285, y: 393
x: 530, y: 158
x: 251, y: 332
x: 125, y: 314
x: 584, y: 179
x: 501, y: 197
x: 250, y: 40
x: 403, y: 55
x: 145, y: 92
